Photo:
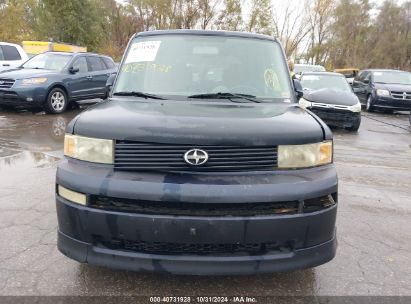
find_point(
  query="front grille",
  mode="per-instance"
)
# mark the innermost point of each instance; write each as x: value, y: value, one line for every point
x: 7, y: 97
x: 333, y: 114
x: 401, y: 95
x: 212, y: 209
x: 136, y: 156
x: 194, y: 248
x: 6, y: 83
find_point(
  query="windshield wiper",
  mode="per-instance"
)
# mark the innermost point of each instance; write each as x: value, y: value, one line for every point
x: 138, y: 94
x: 227, y: 95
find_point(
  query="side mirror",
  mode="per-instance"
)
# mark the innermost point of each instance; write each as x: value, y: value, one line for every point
x: 298, y: 88
x: 366, y: 81
x: 109, y: 83
x: 73, y: 70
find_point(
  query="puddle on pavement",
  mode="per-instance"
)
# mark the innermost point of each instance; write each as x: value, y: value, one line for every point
x: 26, y: 159
x: 30, y: 140
x: 32, y: 132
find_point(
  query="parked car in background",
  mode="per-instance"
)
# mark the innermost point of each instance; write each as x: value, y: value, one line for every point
x: 331, y: 98
x: 11, y: 56
x: 301, y: 68
x: 349, y: 73
x: 387, y: 90
x: 55, y: 79
x: 208, y: 165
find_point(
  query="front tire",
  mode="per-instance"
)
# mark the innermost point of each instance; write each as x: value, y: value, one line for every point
x: 57, y: 101
x: 370, y: 104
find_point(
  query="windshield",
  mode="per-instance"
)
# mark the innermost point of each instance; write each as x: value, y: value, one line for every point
x: 298, y: 69
x: 186, y: 65
x: 49, y: 61
x: 392, y: 77
x: 318, y: 82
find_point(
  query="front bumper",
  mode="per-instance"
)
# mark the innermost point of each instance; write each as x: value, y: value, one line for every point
x: 95, y: 236
x: 337, y: 118
x: 391, y: 103
x: 192, y: 265
x: 23, y: 97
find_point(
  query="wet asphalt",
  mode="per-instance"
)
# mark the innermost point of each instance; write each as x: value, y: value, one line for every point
x: 374, y: 221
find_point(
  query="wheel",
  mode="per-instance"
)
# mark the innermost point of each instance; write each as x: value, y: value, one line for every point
x: 56, y: 101
x: 355, y: 125
x: 369, y: 107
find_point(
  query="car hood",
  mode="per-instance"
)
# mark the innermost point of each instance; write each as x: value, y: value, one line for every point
x: 199, y: 122
x: 21, y: 73
x: 329, y: 96
x: 393, y: 87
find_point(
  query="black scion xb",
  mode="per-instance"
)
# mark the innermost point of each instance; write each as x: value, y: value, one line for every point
x: 200, y: 162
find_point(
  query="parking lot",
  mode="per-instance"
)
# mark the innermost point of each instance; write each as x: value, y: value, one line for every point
x: 373, y: 257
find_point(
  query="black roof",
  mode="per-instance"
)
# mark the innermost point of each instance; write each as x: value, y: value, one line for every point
x: 206, y: 33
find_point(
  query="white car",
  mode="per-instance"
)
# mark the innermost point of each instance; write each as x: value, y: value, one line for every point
x: 301, y: 68
x: 11, y: 56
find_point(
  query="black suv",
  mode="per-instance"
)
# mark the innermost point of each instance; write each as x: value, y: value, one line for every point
x: 384, y: 89
x: 200, y: 162
x: 54, y: 79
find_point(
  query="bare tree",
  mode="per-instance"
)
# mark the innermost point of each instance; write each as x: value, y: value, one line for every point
x: 207, y: 11
x: 260, y: 18
x: 320, y: 20
x: 351, y: 39
x: 186, y: 14
x: 230, y: 18
x: 291, y: 25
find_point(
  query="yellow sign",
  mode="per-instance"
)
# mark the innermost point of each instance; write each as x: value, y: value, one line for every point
x: 37, y: 47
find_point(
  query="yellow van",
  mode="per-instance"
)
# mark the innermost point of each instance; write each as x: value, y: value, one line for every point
x: 349, y: 73
x: 37, y: 47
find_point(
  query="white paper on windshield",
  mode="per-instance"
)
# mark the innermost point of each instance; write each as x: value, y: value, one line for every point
x: 377, y: 73
x: 143, y: 51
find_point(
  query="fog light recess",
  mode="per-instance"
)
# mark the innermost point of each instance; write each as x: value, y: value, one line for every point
x: 72, y: 196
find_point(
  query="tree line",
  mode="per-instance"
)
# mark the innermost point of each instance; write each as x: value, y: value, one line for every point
x: 334, y: 33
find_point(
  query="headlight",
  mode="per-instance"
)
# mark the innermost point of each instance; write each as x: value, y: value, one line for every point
x: 89, y: 149
x: 305, y: 156
x: 304, y: 103
x: 33, y: 81
x: 355, y: 108
x: 383, y: 92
